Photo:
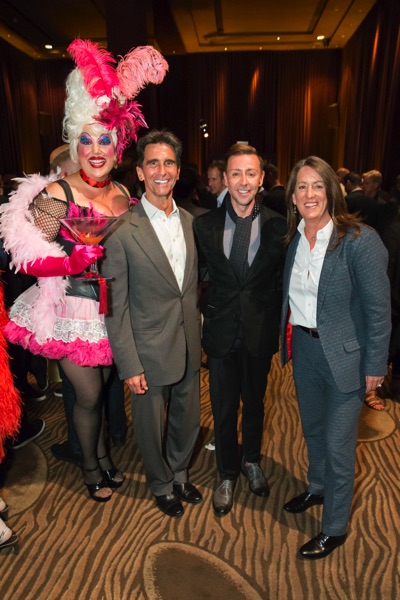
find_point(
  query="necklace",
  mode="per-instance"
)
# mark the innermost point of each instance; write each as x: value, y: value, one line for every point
x: 312, y: 237
x: 93, y: 182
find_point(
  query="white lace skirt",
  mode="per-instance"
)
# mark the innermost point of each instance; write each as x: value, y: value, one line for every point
x: 76, y: 330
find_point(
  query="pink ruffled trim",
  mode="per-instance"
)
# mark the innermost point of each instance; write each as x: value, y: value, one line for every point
x: 79, y: 352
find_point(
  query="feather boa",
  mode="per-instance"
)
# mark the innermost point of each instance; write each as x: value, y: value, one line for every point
x: 10, y: 400
x: 26, y: 242
x: 95, y: 65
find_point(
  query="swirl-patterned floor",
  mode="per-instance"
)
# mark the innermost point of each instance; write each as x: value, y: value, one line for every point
x: 74, y: 549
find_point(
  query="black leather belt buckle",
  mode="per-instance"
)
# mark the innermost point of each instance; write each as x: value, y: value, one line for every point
x: 312, y: 332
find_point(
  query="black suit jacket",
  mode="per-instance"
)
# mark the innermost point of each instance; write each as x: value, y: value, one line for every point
x: 256, y: 301
x: 275, y: 199
x: 358, y: 202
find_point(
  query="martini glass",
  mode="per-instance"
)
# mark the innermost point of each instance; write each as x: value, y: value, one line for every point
x: 89, y: 231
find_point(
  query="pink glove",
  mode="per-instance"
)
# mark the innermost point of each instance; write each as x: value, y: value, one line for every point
x: 52, y: 266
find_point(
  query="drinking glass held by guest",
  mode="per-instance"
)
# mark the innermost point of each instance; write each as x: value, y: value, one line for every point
x: 336, y: 304
x: 59, y: 318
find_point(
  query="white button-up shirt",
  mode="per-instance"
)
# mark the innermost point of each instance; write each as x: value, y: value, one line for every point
x: 170, y: 234
x: 304, y: 280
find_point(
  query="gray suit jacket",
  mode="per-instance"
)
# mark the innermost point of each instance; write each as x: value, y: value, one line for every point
x: 353, y: 308
x: 152, y: 324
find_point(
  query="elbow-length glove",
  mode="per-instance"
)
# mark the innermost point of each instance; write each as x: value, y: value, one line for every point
x: 82, y: 256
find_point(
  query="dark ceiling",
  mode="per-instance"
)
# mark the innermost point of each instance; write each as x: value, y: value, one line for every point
x: 187, y: 26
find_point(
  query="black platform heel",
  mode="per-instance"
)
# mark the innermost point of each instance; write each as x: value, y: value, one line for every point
x: 12, y: 542
x: 95, y: 487
x: 109, y: 474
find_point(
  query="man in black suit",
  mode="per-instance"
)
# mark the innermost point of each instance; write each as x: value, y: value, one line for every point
x: 240, y: 246
x: 357, y: 201
x: 273, y: 193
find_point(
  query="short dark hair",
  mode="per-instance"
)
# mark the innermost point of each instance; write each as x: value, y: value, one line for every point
x: 217, y: 164
x: 272, y: 169
x: 162, y: 136
x: 353, y: 178
x: 239, y: 149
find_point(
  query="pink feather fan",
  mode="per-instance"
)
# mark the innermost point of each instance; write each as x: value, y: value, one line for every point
x: 95, y: 64
x: 140, y: 66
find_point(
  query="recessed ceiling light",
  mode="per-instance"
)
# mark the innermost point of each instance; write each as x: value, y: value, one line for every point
x: 48, y: 47
x: 278, y: 38
x: 320, y: 37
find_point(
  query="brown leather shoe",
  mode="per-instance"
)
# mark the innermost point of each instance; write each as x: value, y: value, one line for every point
x: 223, y: 497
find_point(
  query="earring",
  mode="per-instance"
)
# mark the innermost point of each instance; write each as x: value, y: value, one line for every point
x: 295, y: 209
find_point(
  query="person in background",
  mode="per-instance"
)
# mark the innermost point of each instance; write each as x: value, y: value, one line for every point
x: 357, y: 202
x: 341, y: 174
x: 62, y: 317
x: 336, y: 312
x: 10, y: 416
x: 273, y: 192
x: 216, y: 181
x: 154, y: 327
x: 386, y: 207
x: 61, y: 163
x: 391, y: 239
x: 241, y: 252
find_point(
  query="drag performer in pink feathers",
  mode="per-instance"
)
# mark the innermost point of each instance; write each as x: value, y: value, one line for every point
x: 60, y: 317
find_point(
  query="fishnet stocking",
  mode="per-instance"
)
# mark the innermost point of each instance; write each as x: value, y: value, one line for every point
x: 88, y: 414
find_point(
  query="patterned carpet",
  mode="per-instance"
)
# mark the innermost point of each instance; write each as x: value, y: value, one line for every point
x: 72, y: 548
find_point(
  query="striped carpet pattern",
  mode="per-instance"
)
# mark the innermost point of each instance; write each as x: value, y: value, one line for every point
x: 72, y: 548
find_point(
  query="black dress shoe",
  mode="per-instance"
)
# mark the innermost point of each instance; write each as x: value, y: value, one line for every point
x: 301, y: 503
x: 321, y: 545
x: 187, y: 492
x: 118, y: 441
x: 170, y: 504
x: 66, y: 452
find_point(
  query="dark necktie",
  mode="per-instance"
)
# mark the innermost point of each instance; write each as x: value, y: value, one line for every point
x: 241, y: 240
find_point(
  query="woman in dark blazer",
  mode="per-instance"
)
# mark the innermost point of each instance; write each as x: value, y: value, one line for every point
x: 336, y: 312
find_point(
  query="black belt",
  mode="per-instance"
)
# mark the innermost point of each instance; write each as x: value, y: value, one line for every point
x: 83, y: 288
x: 313, y: 332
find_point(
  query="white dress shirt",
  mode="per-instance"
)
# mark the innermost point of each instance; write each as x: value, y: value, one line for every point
x: 170, y: 234
x: 304, y: 280
x: 221, y: 197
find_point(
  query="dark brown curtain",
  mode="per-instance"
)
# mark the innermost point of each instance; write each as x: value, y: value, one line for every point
x: 19, y: 136
x: 277, y: 101
x: 50, y: 80
x: 370, y: 95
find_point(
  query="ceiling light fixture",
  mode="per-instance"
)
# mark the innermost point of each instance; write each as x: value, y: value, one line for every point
x: 48, y: 47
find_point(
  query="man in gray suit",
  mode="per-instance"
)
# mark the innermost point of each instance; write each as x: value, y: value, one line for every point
x: 154, y: 325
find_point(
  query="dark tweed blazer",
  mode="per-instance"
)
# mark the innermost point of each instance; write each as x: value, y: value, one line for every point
x: 353, y: 308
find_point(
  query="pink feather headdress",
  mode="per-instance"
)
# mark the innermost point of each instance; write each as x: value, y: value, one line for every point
x: 114, y: 88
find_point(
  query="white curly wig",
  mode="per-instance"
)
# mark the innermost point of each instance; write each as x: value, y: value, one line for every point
x: 80, y: 110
